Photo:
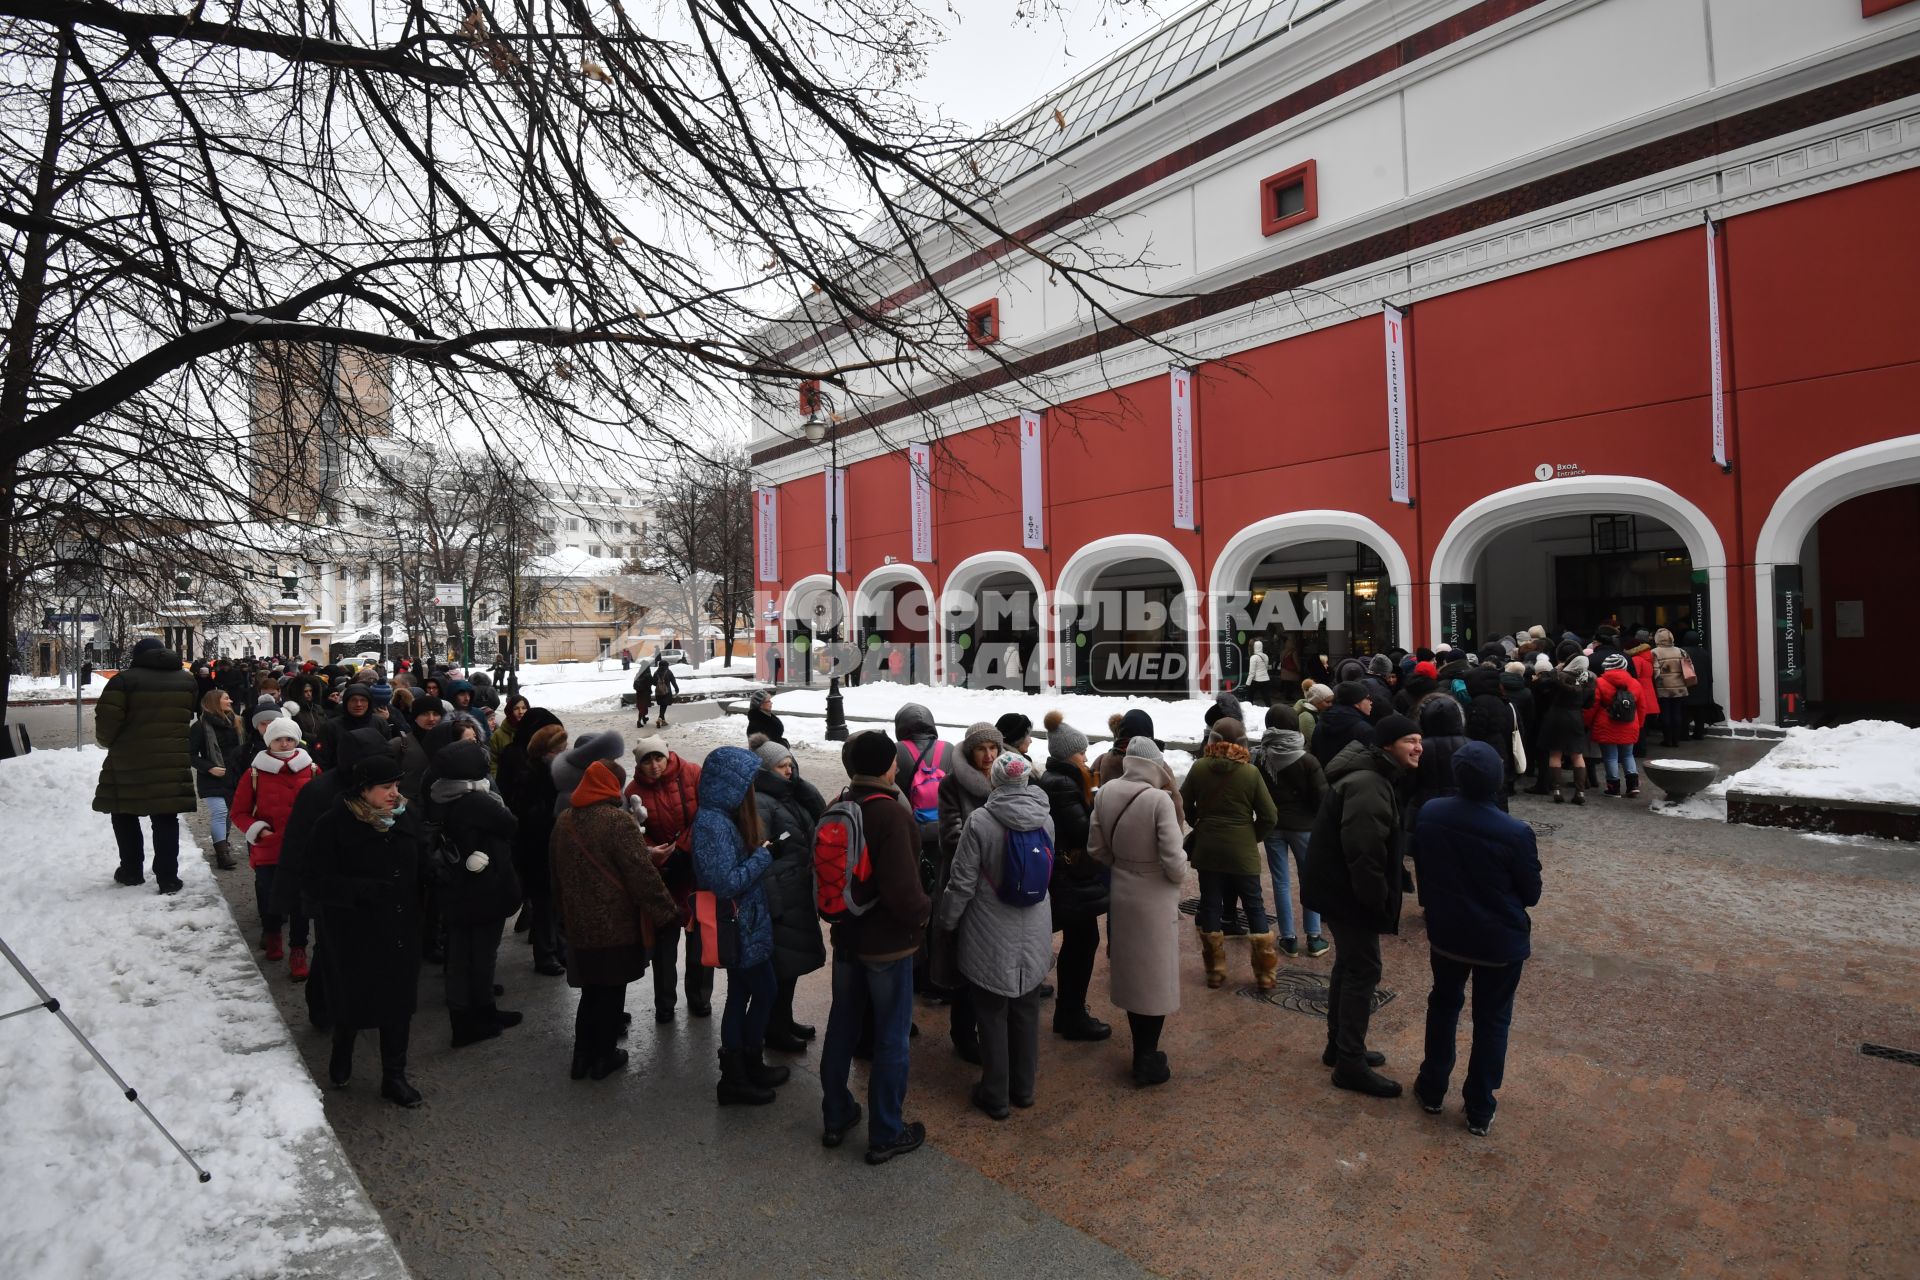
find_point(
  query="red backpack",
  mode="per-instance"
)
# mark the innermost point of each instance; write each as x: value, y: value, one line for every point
x: 842, y: 871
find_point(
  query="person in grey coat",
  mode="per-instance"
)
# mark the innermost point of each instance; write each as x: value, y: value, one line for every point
x: 1005, y: 950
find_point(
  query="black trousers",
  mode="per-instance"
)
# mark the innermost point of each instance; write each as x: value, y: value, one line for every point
x: 543, y: 927
x: 1079, y: 944
x: 596, y: 1024
x: 166, y: 844
x: 666, y: 954
x: 1146, y: 1032
x: 965, y: 1017
x: 1350, y: 988
x: 471, y: 954
x: 393, y: 1045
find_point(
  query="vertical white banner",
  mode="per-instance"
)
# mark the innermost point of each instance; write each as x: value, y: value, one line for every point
x: 836, y: 518
x: 1717, y: 388
x: 1180, y: 383
x: 1396, y: 334
x: 920, y: 495
x: 766, y: 514
x: 1033, y: 529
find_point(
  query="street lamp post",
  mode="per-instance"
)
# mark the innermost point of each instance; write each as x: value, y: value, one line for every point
x: 815, y: 431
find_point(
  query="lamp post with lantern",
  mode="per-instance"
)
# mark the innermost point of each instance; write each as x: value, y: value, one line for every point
x: 815, y: 431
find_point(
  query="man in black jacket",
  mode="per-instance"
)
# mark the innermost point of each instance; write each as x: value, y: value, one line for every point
x: 1352, y: 878
x: 1348, y: 720
x: 142, y: 719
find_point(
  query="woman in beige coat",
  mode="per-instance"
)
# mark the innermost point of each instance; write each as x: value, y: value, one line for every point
x: 1136, y: 831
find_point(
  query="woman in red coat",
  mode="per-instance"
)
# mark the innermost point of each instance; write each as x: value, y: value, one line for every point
x: 1616, y: 737
x: 261, y: 807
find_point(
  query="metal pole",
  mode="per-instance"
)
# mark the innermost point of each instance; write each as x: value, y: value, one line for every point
x: 79, y: 693
x: 836, y: 705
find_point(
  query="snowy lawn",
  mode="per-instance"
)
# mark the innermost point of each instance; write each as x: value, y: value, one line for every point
x: 584, y: 684
x: 1871, y: 760
x: 1179, y: 720
x: 50, y: 689
x: 168, y: 991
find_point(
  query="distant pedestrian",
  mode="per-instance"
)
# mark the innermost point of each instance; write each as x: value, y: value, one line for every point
x: 643, y: 695
x: 142, y: 719
x: 666, y: 687
x: 1479, y: 872
x: 761, y: 721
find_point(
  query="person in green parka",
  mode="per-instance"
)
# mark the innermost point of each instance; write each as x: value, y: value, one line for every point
x: 143, y: 719
x: 1231, y: 812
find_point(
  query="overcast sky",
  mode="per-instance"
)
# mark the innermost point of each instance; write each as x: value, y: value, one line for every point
x: 991, y: 64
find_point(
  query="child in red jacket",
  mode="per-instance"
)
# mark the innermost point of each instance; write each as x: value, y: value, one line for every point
x: 261, y: 807
x: 1617, y: 737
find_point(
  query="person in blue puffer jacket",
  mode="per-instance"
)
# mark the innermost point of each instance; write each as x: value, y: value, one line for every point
x: 730, y: 861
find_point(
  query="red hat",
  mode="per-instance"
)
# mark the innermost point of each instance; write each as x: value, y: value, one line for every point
x: 1426, y: 669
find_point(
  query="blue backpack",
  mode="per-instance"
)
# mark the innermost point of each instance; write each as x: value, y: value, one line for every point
x: 1028, y: 868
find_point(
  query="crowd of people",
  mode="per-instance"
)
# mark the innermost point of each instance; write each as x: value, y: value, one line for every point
x: 395, y: 819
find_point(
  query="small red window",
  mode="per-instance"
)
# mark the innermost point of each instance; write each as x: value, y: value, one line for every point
x: 983, y: 323
x: 1288, y: 199
x: 1870, y: 7
x: 810, y: 397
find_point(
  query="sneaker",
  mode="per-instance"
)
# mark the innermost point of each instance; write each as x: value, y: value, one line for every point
x: 1290, y: 946
x: 833, y: 1137
x: 1478, y: 1128
x: 1317, y: 946
x: 1431, y: 1108
x: 912, y: 1134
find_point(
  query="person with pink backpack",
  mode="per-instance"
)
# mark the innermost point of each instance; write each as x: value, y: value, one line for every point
x: 922, y: 756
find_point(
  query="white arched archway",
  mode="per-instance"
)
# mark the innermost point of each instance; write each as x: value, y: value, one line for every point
x: 1457, y: 554
x: 1884, y: 464
x: 884, y: 579
x: 1233, y: 567
x: 967, y: 576
x: 798, y: 607
x: 1083, y: 569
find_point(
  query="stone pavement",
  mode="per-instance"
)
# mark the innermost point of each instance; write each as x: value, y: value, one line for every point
x: 1685, y: 1095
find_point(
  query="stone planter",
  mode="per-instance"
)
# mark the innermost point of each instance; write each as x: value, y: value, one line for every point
x: 1680, y: 778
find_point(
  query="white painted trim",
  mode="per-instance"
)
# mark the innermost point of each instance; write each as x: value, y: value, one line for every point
x: 1083, y: 569
x: 985, y: 565
x: 1884, y: 464
x: 813, y: 581
x: 1456, y: 556
x: 888, y: 575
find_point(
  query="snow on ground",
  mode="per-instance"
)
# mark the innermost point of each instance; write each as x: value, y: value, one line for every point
x: 1178, y: 720
x: 1870, y: 760
x: 168, y: 991
x: 51, y: 689
x: 565, y: 685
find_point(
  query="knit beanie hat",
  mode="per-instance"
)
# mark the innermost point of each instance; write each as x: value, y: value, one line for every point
x: 1542, y: 664
x: 1392, y: 728
x: 1011, y: 769
x: 265, y: 714
x: 1537, y: 631
x: 146, y: 644
x: 654, y: 746
x: 1014, y: 727
x: 980, y: 735
x: 1063, y: 740
x: 1577, y: 665
x: 869, y: 753
x: 772, y: 753
x: 1143, y: 748
x: 1320, y: 695
x: 1279, y: 717
x: 357, y: 691
x: 1614, y: 662
x: 1380, y: 665
x: 1227, y: 729
x: 1136, y: 723
x: 428, y: 705
x: 281, y: 728
x: 1516, y: 668
x: 375, y: 769
x: 1349, y: 693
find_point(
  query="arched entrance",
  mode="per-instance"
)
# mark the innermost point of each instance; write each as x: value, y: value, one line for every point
x: 894, y: 625
x: 1576, y: 552
x: 1128, y: 611
x: 1307, y: 584
x: 814, y: 618
x: 992, y: 620
x: 1835, y: 587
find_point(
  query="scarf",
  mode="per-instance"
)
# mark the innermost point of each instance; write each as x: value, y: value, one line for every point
x: 447, y: 790
x: 1280, y: 748
x: 382, y: 819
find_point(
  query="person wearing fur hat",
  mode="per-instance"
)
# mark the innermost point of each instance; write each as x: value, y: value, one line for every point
x: 365, y: 865
x: 730, y: 862
x: 1566, y: 694
x: 964, y: 789
x: 1078, y: 891
x: 262, y: 809
x: 789, y: 806
x: 1136, y: 832
x: 1231, y: 812
x: 1297, y: 784
x: 669, y: 787
x: 608, y: 894
x: 1353, y: 878
x: 1005, y: 947
x: 476, y: 889
x: 535, y: 800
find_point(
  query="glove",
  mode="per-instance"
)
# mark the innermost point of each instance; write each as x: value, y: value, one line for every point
x: 637, y: 809
x: 477, y: 861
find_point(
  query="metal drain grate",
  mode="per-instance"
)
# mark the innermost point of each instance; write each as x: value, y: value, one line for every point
x: 1543, y: 828
x: 1907, y: 1056
x: 1235, y: 917
x: 1305, y: 992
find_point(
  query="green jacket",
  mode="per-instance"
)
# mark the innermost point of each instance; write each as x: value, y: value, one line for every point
x: 1230, y: 810
x: 143, y: 719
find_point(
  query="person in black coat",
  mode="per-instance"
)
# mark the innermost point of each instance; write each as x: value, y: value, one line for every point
x: 789, y: 807
x: 762, y: 721
x: 1347, y: 720
x: 219, y: 756
x: 665, y: 687
x: 1443, y: 731
x: 1078, y: 893
x: 1479, y: 872
x: 476, y: 887
x: 356, y: 712
x: 363, y: 874
x: 535, y: 799
x: 1490, y: 717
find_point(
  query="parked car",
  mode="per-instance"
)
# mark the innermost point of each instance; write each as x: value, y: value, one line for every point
x: 675, y: 657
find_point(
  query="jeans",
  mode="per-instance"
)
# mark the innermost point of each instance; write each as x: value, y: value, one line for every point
x: 750, y: 993
x: 1493, y: 991
x: 1618, y: 755
x: 1009, y: 1045
x: 888, y: 986
x: 216, y: 816
x: 1356, y: 972
x: 1079, y: 945
x: 1278, y: 845
x: 166, y: 844
x: 471, y: 952
x: 666, y: 949
x: 596, y: 1024
x: 1214, y: 886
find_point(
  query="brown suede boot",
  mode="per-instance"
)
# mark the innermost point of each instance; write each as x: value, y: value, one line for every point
x: 222, y: 855
x: 1266, y: 960
x: 1213, y: 947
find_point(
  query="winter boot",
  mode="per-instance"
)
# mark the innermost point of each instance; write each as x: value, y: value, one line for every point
x: 1150, y: 1069
x: 1579, y: 791
x: 1213, y: 948
x: 760, y: 1073
x: 1613, y: 788
x: 736, y: 1086
x: 1365, y: 1080
x: 270, y: 943
x: 340, y: 1063
x: 223, y: 855
x: 297, y: 964
x: 1557, y: 775
x: 1633, y: 785
x: 503, y: 1017
x: 471, y: 1026
x: 395, y: 1088
x: 1266, y: 960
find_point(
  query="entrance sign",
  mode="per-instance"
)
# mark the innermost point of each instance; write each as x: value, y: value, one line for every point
x: 1715, y: 357
x: 1395, y: 325
x: 1033, y: 529
x: 1181, y: 388
x: 766, y: 515
x: 920, y: 495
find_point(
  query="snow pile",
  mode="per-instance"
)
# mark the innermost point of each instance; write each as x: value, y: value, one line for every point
x: 1179, y: 721
x: 1871, y: 760
x: 600, y: 683
x: 51, y: 689
x: 168, y: 991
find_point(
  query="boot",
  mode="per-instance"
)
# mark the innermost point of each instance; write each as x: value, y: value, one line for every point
x: 223, y: 855
x: 395, y: 1089
x: 340, y: 1063
x: 1558, y: 775
x: 270, y: 943
x: 1266, y: 960
x: 760, y: 1073
x: 1213, y: 948
x: 471, y: 1026
x: 1633, y: 785
x: 1613, y: 788
x: 1365, y: 1080
x: 297, y: 964
x: 735, y: 1086
x: 1579, y: 792
x: 1150, y: 1069
x: 785, y: 1041
x: 607, y: 1063
x: 502, y: 1017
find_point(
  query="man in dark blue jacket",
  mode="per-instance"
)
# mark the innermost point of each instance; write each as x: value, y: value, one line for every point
x: 1479, y: 872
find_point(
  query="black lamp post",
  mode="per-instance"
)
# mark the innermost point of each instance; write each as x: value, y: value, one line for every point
x: 815, y: 430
